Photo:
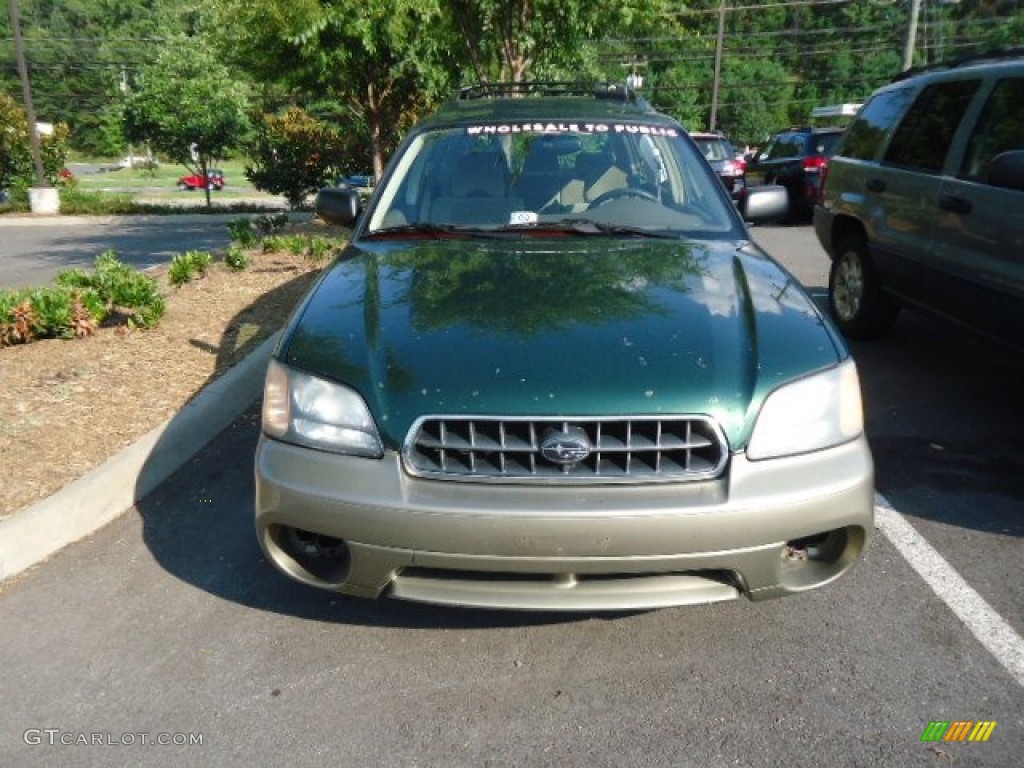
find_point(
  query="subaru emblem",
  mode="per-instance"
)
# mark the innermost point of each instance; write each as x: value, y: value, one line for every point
x: 570, y: 446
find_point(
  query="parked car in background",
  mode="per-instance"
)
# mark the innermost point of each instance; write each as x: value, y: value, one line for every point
x: 551, y: 371
x: 215, y: 178
x: 924, y: 202
x: 797, y: 159
x: 724, y: 159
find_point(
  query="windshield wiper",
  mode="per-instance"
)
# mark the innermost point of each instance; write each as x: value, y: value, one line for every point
x: 421, y: 228
x: 592, y: 227
x: 438, y: 231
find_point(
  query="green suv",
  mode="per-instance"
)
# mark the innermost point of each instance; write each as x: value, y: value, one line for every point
x: 551, y: 371
x: 924, y: 203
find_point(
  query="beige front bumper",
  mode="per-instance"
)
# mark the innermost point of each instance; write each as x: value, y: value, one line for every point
x: 568, y: 548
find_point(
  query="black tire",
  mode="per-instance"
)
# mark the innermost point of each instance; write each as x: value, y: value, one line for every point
x: 855, y: 297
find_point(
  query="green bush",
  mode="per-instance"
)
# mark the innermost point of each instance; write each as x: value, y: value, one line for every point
x: 274, y: 243
x: 79, y: 301
x: 319, y: 249
x: 295, y: 154
x: 294, y: 244
x: 53, y: 307
x: 242, y: 232
x: 268, y: 224
x: 236, y: 258
x: 187, y: 266
x: 119, y: 286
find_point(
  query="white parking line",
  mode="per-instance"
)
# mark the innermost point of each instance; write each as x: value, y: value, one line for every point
x: 971, y: 608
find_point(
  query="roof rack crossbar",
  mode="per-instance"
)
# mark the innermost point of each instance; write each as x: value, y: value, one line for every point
x: 600, y: 90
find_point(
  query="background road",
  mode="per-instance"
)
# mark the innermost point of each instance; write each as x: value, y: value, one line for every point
x: 33, y: 251
x: 169, y: 621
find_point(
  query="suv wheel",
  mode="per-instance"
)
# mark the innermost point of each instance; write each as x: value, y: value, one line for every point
x: 855, y: 297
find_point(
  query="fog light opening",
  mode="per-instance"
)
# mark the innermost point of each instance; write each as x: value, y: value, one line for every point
x: 819, y: 548
x: 323, y: 557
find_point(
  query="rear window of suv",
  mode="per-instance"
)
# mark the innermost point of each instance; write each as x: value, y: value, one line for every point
x: 1000, y: 128
x: 923, y: 138
x: 865, y: 134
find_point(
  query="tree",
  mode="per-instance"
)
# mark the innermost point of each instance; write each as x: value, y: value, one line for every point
x: 189, y: 108
x: 294, y: 155
x: 513, y: 40
x: 382, y: 61
x: 17, y: 171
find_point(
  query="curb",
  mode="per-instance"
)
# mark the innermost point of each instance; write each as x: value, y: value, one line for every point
x: 32, y: 535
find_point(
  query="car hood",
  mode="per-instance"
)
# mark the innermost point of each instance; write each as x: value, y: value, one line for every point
x: 572, y: 327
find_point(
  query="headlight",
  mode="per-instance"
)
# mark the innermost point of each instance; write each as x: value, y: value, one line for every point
x: 307, y: 410
x: 818, y: 412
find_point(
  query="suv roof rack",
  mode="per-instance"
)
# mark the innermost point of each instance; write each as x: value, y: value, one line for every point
x: 994, y: 54
x: 610, y: 91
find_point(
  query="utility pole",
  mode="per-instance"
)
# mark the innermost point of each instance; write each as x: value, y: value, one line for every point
x: 908, y: 49
x: 30, y: 113
x: 719, y: 44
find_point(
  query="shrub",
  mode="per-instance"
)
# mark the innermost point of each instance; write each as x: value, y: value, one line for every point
x: 294, y: 155
x: 294, y: 244
x: 187, y: 266
x: 181, y: 270
x: 268, y: 224
x: 236, y: 258
x: 274, y: 243
x: 19, y: 322
x: 319, y: 249
x: 242, y: 233
x: 117, y: 286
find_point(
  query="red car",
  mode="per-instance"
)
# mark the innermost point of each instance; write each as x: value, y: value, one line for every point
x: 214, y: 177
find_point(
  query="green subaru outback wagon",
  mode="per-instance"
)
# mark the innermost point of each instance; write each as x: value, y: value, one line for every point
x: 551, y: 371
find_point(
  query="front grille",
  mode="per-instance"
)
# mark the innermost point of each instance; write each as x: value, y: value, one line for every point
x: 621, y: 450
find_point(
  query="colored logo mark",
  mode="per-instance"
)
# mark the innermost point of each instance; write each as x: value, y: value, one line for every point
x: 958, y: 730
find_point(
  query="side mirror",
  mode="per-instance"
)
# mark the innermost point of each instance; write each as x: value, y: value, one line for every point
x: 764, y: 204
x: 1007, y: 170
x: 338, y: 205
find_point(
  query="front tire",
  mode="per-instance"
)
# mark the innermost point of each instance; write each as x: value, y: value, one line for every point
x: 855, y: 297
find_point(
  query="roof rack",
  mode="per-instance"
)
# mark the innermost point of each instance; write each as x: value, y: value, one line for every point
x: 611, y: 91
x: 994, y: 54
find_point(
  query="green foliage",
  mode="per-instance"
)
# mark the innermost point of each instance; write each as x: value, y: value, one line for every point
x: 236, y: 258
x: 116, y: 287
x: 188, y: 106
x: 318, y: 249
x: 242, y: 232
x: 295, y: 244
x: 64, y: 310
x: 294, y: 155
x: 270, y: 223
x: 186, y: 266
x: 275, y: 243
x: 383, y: 62
x: 17, y: 169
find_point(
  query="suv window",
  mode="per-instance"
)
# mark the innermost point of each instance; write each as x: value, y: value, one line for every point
x: 787, y: 145
x: 923, y: 138
x: 866, y: 133
x: 1000, y: 129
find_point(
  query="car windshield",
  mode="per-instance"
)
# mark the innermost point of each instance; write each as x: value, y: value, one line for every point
x: 715, y: 149
x: 612, y: 177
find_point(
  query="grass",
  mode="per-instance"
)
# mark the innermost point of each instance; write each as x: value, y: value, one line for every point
x: 162, y: 182
x: 155, y: 191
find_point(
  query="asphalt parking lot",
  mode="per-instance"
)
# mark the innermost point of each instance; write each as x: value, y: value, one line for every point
x: 168, y: 623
